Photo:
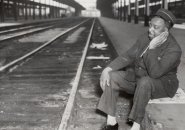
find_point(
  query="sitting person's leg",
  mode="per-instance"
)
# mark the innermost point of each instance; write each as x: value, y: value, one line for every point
x: 108, y: 100
x: 146, y: 89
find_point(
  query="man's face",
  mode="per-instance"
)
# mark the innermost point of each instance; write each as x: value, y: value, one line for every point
x: 156, y: 27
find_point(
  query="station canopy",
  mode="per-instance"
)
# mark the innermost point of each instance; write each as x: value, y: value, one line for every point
x: 71, y: 3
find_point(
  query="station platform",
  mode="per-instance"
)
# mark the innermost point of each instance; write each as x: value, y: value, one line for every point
x: 167, y: 115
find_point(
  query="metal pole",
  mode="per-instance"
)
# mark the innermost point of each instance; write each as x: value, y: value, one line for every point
x: 45, y: 9
x: 8, y: 8
x: 118, y: 10
x: 2, y: 11
x: 15, y: 10
x: 26, y: 10
x: 40, y: 11
x: 30, y: 9
x: 124, y: 10
x: 121, y: 11
x: 33, y: 9
x: 49, y: 8
x: 136, y: 12
x: 53, y: 14
x: 147, y: 12
x: 129, y: 12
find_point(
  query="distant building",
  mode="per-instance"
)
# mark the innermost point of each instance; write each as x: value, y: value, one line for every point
x: 91, y: 13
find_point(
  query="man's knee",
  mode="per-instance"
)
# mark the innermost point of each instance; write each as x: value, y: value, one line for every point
x: 115, y: 76
x: 145, y: 83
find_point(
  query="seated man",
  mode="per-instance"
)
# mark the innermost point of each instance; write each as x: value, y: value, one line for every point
x: 147, y: 70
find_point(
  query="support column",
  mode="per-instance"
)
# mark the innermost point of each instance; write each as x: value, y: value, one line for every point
x: 165, y: 4
x: 115, y: 10
x: 45, y: 9
x: 49, y: 8
x: 26, y: 10
x: 40, y: 10
x: 15, y: 9
x: 136, y: 11
x: 30, y: 9
x: 147, y: 12
x: 129, y: 12
x: 121, y: 11
x: 118, y: 10
x: 22, y: 8
x: 2, y: 10
x: 33, y: 6
x: 18, y: 9
x: 125, y: 10
x: 8, y: 8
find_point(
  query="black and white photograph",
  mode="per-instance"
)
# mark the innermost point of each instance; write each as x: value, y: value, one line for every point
x: 92, y: 64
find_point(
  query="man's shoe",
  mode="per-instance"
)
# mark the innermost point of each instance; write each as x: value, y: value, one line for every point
x: 110, y: 127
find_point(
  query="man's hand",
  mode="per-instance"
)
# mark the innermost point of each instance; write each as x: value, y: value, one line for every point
x: 105, y: 78
x: 159, y: 40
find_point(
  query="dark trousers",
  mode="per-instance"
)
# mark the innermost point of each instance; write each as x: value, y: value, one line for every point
x: 144, y: 89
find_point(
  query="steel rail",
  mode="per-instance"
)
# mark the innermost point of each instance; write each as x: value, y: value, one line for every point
x: 28, y: 33
x: 40, y: 47
x: 70, y: 103
x: 15, y: 29
x: 27, y: 27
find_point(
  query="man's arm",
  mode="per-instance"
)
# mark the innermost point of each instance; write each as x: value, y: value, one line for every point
x: 126, y: 58
x: 120, y: 62
x: 158, y: 66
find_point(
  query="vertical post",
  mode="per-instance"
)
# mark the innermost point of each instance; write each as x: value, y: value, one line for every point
x: 124, y: 10
x: 53, y: 15
x: 30, y: 9
x: 33, y: 6
x: 15, y: 9
x: 2, y: 10
x: 118, y: 10
x: 45, y: 9
x: 129, y: 12
x: 49, y: 8
x: 22, y: 8
x: 55, y: 10
x: 26, y: 10
x: 40, y: 11
x: 121, y: 11
x: 8, y: 8
x: 165, y: 4
x: 147, y: 12
x: 136, y: 12
x: 115, y: 11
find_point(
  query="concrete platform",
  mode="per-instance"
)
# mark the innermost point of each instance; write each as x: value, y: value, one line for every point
x: 167, y: 115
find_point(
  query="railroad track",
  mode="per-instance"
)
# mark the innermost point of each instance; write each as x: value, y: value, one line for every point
x: 25, y: 45
x: 35, y: 93
x: 56, y: 86
x: 29, y: 26
x: 28, y: 30
x: 84, y: 114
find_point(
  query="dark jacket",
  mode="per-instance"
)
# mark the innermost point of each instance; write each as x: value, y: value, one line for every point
x: 159, y: 63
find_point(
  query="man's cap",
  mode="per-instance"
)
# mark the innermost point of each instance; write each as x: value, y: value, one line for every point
x: 167, y: 16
